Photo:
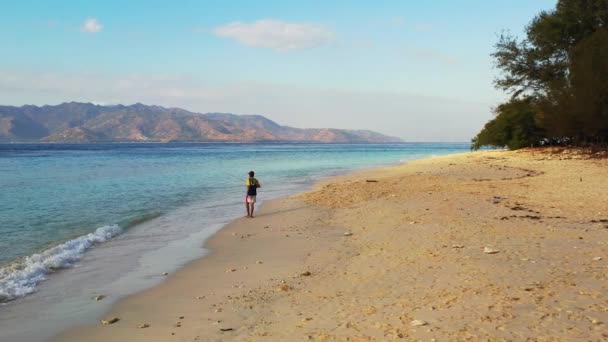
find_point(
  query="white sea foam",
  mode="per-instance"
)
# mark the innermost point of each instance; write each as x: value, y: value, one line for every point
x: 21, y: 278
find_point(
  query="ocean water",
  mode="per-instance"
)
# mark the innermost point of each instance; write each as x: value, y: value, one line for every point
x: 82, y: 219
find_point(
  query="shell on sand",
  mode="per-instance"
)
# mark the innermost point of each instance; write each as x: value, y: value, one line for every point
x: 489, y: 250
x: 418, y: 323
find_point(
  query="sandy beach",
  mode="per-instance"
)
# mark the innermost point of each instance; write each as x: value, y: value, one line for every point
x: 493, y: 245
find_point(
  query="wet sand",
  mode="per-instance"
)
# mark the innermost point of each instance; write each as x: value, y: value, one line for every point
x: 480, y: 246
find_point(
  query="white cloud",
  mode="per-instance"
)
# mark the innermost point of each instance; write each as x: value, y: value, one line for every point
x: 91, y: 25
x: 431, y: 55
x: 397, y: 21
x: 276, y: 34
x: 423, y: 27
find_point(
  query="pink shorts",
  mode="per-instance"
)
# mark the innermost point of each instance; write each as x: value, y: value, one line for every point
x: 250, y: 199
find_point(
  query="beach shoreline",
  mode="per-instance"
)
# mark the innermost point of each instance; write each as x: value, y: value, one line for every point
x: 366, y: 255
x: 223, y: 259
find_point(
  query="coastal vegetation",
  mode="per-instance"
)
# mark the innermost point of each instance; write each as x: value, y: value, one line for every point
x: 557, y: 77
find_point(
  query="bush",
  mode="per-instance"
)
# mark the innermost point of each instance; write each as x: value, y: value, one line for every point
x: 514, y: 126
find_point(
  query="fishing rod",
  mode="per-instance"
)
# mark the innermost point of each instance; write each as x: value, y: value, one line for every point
x: 240, y: 179
x: 236, y: 177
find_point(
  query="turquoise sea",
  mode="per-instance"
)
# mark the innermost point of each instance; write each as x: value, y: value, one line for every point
x: 82, y: 219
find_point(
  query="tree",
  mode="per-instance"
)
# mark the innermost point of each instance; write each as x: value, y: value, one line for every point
x: 514, y: 126
x: 542, y: 61
x: 562, y: 64
x: 590, y: 86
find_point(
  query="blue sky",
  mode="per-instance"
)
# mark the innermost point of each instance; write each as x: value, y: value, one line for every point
x: 414, y: 69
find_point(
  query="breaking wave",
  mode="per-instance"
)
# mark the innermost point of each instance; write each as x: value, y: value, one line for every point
x: 21, y: 278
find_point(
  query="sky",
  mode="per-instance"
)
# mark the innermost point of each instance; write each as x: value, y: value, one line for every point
x: 418, y: 70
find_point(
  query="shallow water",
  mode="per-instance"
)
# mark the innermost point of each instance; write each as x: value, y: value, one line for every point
x: 79, y: 220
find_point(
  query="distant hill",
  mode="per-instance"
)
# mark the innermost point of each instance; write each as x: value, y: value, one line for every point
x: 87, y: 122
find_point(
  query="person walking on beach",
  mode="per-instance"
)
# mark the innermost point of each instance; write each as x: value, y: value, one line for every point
x: 252, y: 191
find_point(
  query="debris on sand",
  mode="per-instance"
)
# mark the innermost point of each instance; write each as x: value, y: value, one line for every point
x: 306, y: 274
x: 285, y: 287
x: 457, y: 246
x: 597, y: 258
x: 110, y: 321
x: 143, y: 326
x: 371, y: 181
x: 348, y: 234
x: 226, y: 329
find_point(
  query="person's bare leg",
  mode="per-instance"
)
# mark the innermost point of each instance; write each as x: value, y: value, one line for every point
x: 252, y: 207
x: 247, y: 207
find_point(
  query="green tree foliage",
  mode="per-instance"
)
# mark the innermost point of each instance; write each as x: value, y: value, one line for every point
x: 589, y: 91
x: 514, y: 127
x: 562, y: 67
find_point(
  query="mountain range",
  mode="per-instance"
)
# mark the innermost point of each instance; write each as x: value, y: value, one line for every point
x: 87, y: 122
